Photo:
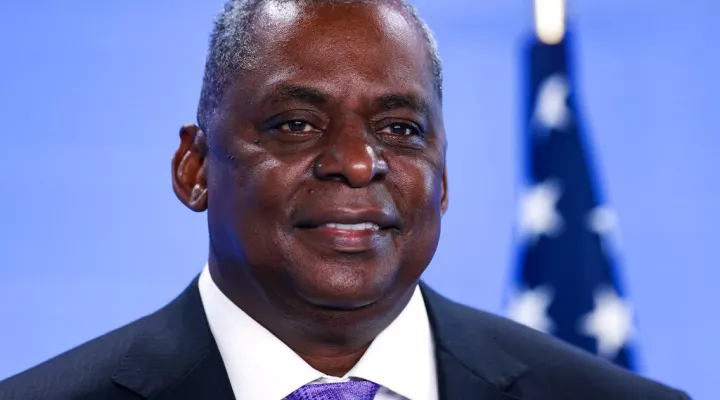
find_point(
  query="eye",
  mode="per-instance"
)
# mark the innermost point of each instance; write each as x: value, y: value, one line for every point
x: 294, y: 131
x: 401, y: 129
x: 296, y: 126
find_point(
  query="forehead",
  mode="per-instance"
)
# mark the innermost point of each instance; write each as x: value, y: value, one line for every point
x: 344, y: 49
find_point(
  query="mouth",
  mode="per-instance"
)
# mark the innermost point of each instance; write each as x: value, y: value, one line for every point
x: 362, y: 226
x: 347, y: 230
x: 351, y: 219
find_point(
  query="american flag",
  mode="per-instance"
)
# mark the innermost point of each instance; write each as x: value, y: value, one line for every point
x: 565, y: 282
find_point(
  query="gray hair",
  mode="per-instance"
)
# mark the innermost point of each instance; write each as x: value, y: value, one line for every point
x: 230, y: 45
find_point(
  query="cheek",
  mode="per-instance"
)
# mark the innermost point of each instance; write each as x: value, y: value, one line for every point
x: 419, y: 192
x: 246, y: 204
x: 419, y: 188
x: 237, y: 188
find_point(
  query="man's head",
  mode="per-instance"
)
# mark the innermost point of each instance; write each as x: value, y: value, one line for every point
x: 232, y: 44
x: 321, y: 158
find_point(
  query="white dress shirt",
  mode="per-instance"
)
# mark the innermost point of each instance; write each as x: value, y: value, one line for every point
x: 261, y: 367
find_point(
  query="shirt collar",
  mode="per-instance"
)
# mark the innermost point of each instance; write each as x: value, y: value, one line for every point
x: 260, y: 366
x: 402, y: 357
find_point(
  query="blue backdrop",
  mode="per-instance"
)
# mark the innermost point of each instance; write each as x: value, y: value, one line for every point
x: 93, y: 94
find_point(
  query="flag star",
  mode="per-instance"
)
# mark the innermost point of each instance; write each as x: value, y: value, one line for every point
x: 530, y: 308
x: 537, y: 211
x: 603, y: 221
x: 551, y: 107
x: 610, y: 323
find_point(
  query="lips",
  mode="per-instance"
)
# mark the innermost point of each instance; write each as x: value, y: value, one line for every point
x: 348, y: 230
x: 348, y: 218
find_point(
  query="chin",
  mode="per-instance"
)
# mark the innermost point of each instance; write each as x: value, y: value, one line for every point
x: 343, y: 287
x: 340, y: 304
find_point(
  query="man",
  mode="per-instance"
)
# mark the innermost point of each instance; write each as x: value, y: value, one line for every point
x: 320, y: 159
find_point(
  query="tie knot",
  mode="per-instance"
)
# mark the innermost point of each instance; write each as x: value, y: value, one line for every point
x: 352, y: 390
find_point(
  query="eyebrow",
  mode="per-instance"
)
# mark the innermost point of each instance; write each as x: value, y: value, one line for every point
x: 407, y: 100
x: 387, y: 102
x: 300, y: 93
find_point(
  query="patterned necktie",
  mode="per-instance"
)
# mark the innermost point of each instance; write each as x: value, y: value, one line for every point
x: 353, y: 390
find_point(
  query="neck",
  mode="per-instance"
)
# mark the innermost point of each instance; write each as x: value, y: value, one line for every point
x: 334, y: 365
x: 330, y: 341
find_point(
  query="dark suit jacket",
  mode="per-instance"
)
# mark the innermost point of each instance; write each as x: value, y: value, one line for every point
x: 171, y: 355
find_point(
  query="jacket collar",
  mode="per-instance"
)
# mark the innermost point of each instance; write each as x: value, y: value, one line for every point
x: 471, y: 364
x: 175, y: 356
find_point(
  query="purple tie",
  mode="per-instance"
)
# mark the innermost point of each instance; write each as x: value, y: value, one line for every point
x: 353, y: 390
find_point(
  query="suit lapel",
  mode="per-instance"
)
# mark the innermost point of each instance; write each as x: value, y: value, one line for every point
x: 470, y: 363
x: 456, y: 382
x: 175, y: 356
x: 207, y: 381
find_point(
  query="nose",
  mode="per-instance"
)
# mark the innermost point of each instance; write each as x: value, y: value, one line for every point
x: 350, y: 157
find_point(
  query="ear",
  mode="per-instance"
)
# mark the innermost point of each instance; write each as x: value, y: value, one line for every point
x: 188, y: 169
x: 444, y: 194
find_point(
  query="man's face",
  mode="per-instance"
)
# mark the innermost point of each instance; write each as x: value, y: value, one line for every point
x: 326, y: 158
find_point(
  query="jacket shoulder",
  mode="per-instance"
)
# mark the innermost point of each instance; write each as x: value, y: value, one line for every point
x: 83, y: 372
x: 554, y: 369
x: 579, y: 374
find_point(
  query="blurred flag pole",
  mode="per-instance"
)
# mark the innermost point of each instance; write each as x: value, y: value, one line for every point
x: 565, y: 281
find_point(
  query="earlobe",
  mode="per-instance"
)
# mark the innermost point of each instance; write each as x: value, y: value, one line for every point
x: 188, y: 169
